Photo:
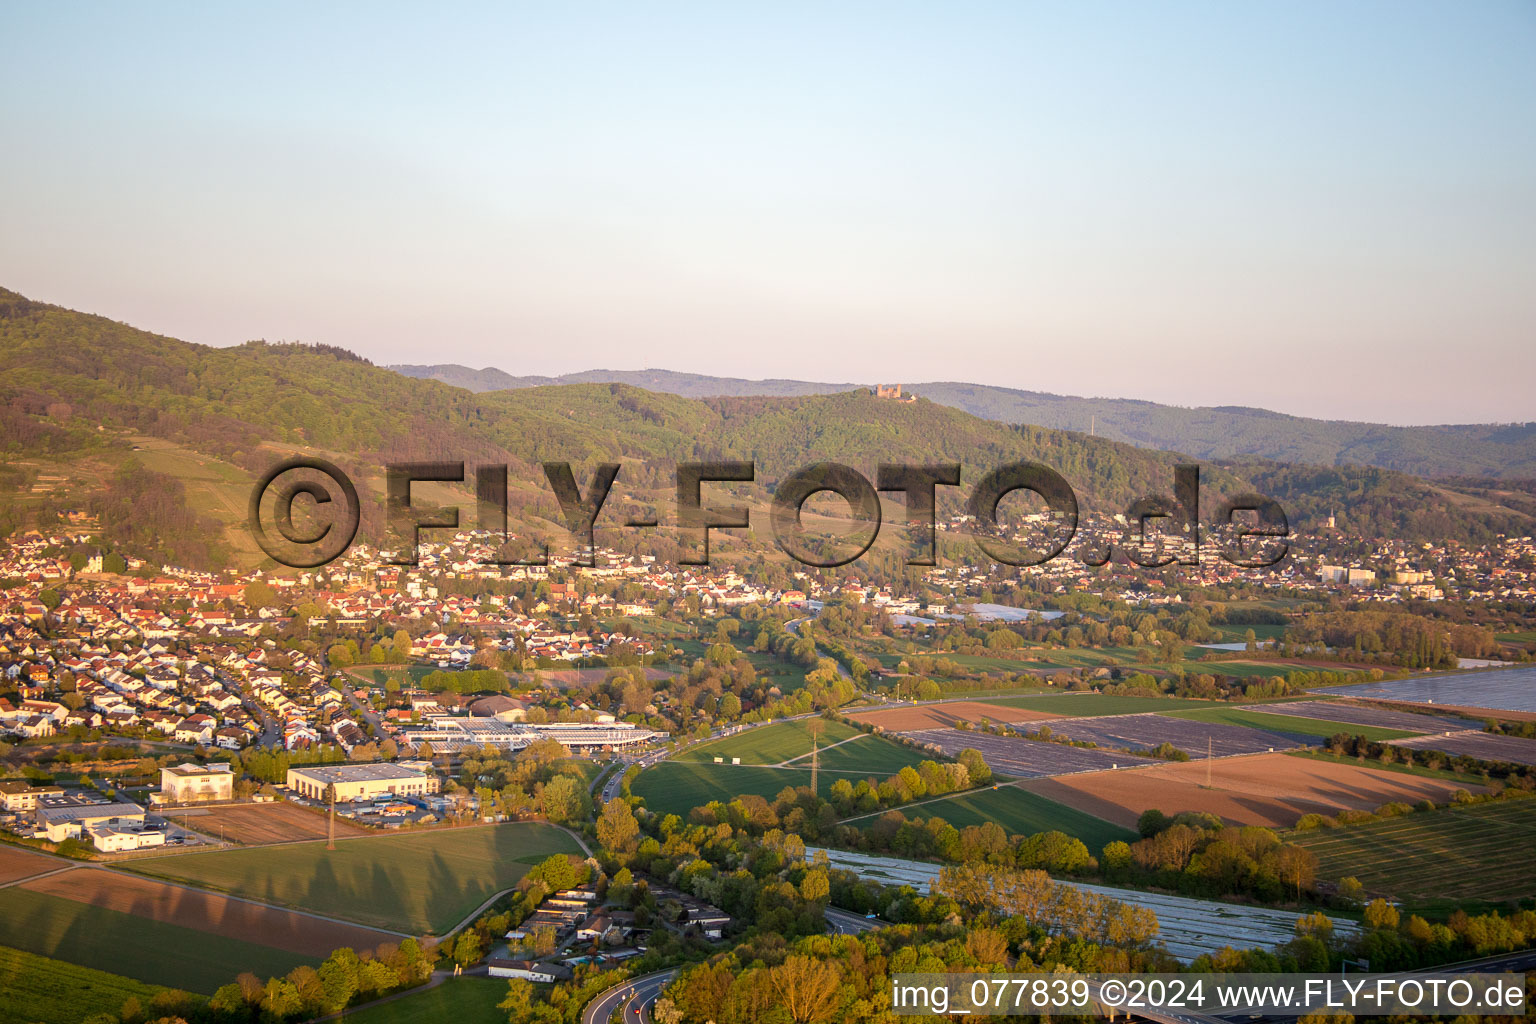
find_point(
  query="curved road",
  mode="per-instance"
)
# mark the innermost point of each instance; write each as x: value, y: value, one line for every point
x: 635, y: 996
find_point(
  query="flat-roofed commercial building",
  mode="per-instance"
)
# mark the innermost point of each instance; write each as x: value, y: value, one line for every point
x: 62, y: 818
x: 196, y: 783
x: 361, y: 781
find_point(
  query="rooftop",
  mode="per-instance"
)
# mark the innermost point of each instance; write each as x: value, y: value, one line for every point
x: 332, y: 774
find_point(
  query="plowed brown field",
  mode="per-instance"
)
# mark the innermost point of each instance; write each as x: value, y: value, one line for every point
x: 946, y: 715
x: 257, y: 824
x: 1264, y: 789
x: 18, y: 863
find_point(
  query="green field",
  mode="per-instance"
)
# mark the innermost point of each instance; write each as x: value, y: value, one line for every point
x: 677, y: 787
x: 1288, y: 723
x: 770, y: 744
x: 1241, y: 669
x: 39, y: 990
x: 1019, y: 811
x: 462, y: 1000
x: 412, y: 882
x: 1434, y: 859
x: 872, y: 755
x: 136, y: 947
x: 1086, y: 705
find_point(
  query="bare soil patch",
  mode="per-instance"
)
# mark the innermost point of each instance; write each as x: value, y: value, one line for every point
x: 260, y: 824
x: 18, y: 863
x: 946, y: 715
x: 1265, y: 789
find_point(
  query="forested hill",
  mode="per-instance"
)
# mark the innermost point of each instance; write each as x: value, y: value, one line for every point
x: 82, y: 397
x: 1505, y: 451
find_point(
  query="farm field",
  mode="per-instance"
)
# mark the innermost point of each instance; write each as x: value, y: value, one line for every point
x: 414, y: 882
x: 1023, y: 758
x: 1436, y: 857
x: 255, y: 824
x: 41, y: 990
x: 207, y: 912
x: 1486, y: 746
x: 1143, y: 732
x: 1287, y: 723
x: 769, y: 744
x: 16, y: 862
x: 1016, y: 810
x: 1090, y: 705
x: 676, y: 787
x: 1359, y: 714
x: 1272, y: 790
x: 871, y: 755
x: 946, y: 715
x: 137, y: 947
x: 1505, y: 689
x: 467, y: 1000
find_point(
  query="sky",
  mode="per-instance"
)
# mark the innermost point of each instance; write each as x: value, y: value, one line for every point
x: 1326, y: 209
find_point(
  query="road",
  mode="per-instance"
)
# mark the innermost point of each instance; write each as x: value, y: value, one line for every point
x: 846, y: 922
x: 636, y: 996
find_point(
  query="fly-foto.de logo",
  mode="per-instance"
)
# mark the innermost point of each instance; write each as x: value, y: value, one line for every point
x: 1158, y: 530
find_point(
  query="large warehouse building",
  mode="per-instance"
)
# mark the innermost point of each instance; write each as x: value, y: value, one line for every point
x: 362, y: 781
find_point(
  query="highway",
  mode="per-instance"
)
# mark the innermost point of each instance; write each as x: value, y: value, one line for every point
x: 846, y: 922
x: 636, y: 997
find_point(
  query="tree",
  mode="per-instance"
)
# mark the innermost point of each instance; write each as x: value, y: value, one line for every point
x: 565, y: 800
x: 466, y: 948
x: 281, y: 999
x: 617, y: 829
x: 1151, y: 822
x: 805, y: 987
x: 1381, y: 914
x: 260, y: 595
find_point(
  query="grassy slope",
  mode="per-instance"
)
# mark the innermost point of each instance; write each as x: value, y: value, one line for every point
x: 150, y: 951
x: 463, y: 1000
x: 1434, y: 858
x: 769, y: 744
x: 40, y: 990
x: 412, y: 882
x: 676, y: 787
x: 1020, y: 811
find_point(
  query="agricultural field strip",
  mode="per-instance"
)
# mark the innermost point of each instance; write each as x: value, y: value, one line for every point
x: 1355, y: 714
x: 1145, y: 731
x: 1188, y: 927
x: 1026, y: 758
x: 1505, y: 689
x: 1486, y: 746
x: 1462, y: 855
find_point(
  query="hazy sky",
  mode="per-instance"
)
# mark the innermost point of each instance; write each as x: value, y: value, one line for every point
x: 1325, y: 208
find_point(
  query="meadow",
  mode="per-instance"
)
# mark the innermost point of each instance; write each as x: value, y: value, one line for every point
x: 770, y: 744
x: 41, y: 990
x: 676, y: 787
x: 1017, y: 811
x: 466, y: 999
x: 1434, y: 859
x: 413, y: 882
x: 1286, y: 723
x: 1086, y: 705
x: 136, y: 947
